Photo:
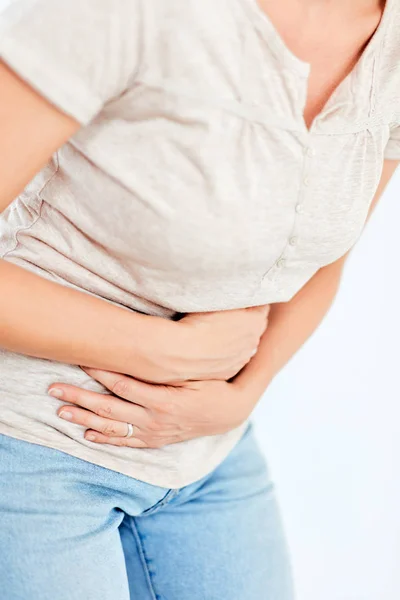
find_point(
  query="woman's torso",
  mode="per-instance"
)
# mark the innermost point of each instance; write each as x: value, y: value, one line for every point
x: 200, y: 188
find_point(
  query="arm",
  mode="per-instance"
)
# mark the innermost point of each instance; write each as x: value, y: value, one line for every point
x: 164, y: 415
x: 53, y: 321
x: 292, y: 323
x: 47, y: 320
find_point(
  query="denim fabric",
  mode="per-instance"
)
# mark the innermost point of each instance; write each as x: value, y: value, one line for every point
x: 71, y: 530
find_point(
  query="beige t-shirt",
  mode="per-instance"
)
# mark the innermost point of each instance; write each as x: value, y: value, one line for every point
x: 193, y: 185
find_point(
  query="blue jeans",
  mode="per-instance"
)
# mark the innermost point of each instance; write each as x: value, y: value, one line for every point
x: 71, y: 530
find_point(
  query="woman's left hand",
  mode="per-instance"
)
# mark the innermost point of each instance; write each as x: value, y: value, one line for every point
x: 160, y: 414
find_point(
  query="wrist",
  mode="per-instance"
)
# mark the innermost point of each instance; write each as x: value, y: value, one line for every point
x: 252, y: 382
x: 149, y: 338
x: 161, y: 348
x: 246, y: 399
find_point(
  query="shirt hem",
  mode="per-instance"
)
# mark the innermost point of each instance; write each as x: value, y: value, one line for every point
x: 168, y: 482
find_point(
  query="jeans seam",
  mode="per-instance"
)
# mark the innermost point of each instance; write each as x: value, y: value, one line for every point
x: 144, y: 559
x: 158, y: 506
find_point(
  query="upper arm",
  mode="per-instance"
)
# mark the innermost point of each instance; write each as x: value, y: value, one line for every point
x: 60, y: 63
x: 389, y: 167
x: 392, y: 161
x: 31, y: 128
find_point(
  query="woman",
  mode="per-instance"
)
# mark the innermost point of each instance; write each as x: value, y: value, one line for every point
x: 181, y: 183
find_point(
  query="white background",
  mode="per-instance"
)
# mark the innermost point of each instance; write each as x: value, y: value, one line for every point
x: 329, y: 426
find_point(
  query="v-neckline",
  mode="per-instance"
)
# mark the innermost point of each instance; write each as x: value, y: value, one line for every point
x: 289, y: 59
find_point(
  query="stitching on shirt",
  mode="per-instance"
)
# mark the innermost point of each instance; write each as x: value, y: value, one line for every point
x: 144, y: 559
x: 376, y: 68
x: 20, y: 230
x: 38, y: 216
x: 233, y: 107
x: 243, y: 111
x: 372, y: 95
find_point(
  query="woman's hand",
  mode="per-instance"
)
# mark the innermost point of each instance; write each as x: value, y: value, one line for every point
x: 160, y: 414
x: 208, y: 345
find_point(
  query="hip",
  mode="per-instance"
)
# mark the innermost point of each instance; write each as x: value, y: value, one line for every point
x: 29, y: 414
x: 61, y: 515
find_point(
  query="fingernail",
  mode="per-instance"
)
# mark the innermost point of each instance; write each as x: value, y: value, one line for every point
x: 56, y: 392
x: 91, y: 437
x: 64, y: 414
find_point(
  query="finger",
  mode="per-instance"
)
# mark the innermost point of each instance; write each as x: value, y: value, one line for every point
x: 129, y: 388
x: 118, y: 384
x: 99, y: 438
x: 141, y: 419
x: 134, y: 442
x: 88, y: 419
x: 103, y: 405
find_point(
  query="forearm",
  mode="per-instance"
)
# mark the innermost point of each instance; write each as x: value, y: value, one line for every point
x: 290, y: 325
x: 47, y: 320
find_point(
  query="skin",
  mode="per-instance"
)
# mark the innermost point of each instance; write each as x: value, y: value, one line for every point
x: 164, y: 414
x: 169, y: 414
x: 331, y: 35
x: 180, y: 405
x: 63, y: 324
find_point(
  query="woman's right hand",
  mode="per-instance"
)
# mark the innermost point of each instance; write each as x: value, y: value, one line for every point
x: 207, y: 345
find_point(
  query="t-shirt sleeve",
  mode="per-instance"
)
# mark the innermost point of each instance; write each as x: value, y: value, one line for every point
x: 79, y: 54
x: 392, y: 150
